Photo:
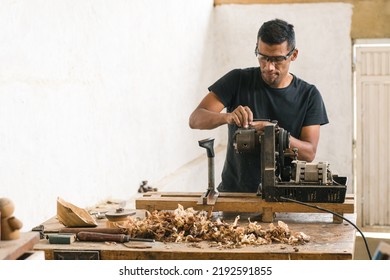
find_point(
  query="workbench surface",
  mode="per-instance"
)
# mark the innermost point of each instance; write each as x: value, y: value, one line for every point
x: 328, y: 240
x: 14, y: 249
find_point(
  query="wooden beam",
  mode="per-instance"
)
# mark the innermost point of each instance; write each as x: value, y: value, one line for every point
x: 245, y: 2
x: 238, y: 202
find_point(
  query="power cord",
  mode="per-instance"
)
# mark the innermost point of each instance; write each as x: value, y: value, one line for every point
x: 336, y: 214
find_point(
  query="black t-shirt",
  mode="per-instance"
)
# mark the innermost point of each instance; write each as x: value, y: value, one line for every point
x: 298, y: 105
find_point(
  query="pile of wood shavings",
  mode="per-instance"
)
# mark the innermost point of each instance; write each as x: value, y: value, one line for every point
x: 188, y: 225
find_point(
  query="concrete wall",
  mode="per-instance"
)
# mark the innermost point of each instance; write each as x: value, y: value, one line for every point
x: 95, y: 95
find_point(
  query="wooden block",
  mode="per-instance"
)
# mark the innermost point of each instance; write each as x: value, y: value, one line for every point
x: 337, y: 219
x: 268, y: 215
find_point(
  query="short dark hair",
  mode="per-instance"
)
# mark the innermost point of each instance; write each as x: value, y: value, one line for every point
x: 277, y: 31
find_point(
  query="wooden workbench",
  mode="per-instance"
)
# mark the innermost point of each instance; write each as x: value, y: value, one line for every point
x: 329, y: 240
x: 15, y: 249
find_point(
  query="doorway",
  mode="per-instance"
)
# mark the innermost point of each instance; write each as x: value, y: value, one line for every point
x: 372, y: 133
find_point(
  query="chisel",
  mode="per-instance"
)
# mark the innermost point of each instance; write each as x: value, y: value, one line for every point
x: 106, y: 237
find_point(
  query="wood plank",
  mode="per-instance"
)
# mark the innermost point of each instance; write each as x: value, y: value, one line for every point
x: 239, y: 202
x: 13, y: 249
x: 246, y: 2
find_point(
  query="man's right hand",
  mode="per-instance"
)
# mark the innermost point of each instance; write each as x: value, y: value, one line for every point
x: 208, y: 114
x: 242, y: 116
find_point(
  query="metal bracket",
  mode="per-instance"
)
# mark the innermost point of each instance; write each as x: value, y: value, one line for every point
x: 76, y: 255
x: 41, y: 230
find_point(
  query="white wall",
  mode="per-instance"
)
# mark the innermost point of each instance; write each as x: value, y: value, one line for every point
x: 95, y: 95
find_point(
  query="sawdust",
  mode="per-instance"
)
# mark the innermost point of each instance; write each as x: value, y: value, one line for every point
x: 188, y: 225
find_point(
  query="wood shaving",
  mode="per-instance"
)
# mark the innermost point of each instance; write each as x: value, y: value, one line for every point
x: 188, y: 225
x: 137, y: 245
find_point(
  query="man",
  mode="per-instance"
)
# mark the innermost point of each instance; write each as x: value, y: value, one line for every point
x: 268, y: 92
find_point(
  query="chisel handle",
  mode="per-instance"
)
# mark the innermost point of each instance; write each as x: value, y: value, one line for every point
x: 101, y: 237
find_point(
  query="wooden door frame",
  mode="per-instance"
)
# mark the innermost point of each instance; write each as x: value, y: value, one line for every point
x: 357, y: 145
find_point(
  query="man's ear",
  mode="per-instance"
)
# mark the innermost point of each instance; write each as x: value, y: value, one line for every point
x: 294, y: 55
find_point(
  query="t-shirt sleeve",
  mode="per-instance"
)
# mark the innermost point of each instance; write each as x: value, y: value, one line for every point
x: 316, y: 113
x: 226, y: 87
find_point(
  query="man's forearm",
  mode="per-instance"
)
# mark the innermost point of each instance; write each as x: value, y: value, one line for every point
x: 205, y: 119
x: 306, y: 150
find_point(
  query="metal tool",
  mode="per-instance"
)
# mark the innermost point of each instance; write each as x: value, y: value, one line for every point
x: 211, y: 195
x: 119, y: 214
x: 106, y: 237
x: 98, y: 214
x: 41, y: 230
x: 302, y: 181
